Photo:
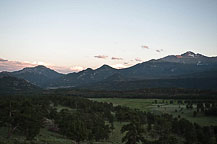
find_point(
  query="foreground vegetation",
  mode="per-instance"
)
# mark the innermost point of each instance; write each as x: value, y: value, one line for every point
x: 61, y: 119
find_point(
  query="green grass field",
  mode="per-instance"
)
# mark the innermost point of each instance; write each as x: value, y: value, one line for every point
x: 149, y: 105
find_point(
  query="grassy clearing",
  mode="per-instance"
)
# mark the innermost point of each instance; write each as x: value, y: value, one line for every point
x: 45, y: 137
x: 60, y: 107
x: 186, y: 113
x: 149, y: 105
x: 116, y: 135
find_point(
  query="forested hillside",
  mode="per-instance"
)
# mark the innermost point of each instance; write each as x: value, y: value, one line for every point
x: 24, y: 119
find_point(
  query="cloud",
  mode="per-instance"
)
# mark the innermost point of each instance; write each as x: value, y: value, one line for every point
x: 160, y: 50
x: 3, y: 60
x: 64, y: 69
x: 39, y: 63
x: 138, y: 59
x: 118, y: 66
x: 116, y: 58
x: 145, y: 47
x: 13, y: 65
x: 101, y: 56
x: 77, y: 68
x: 10, y: 66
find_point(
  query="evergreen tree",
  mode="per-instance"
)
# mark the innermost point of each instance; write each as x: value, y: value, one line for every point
x: 134, y: 132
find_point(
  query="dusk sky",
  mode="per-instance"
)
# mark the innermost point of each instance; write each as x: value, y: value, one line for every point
x: 71, y: 35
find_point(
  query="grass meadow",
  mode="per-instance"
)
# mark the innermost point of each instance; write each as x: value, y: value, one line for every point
x: 162, y: 106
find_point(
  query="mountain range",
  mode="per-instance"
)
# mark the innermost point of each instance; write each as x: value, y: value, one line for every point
x: 188, y: 70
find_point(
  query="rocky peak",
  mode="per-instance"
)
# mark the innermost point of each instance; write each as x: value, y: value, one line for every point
x: 105, y: 67
x: 190, y: 54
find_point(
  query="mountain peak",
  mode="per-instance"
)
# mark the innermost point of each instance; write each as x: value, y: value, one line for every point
x: 189, y: 54
x: 105, y: 67
x: 40, y: 66
x: 86, y: 70
x: 188, y: 58
x: 89, y: 69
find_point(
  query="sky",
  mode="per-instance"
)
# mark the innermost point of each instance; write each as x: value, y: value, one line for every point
x: 72, y: 35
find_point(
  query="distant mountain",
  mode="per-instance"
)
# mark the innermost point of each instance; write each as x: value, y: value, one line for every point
x: 190, y: 58
x: 189, y: 70
x: 166, y: 67
x: 201, y: 80
x: 204, y: 74
x: 117, y: 77
x: 157, y: 69
x: 173, y: 70
x: 10, y: 85
x: 39, y: 75
x: 190, y: 83
x: 4, y: 73
x: 85, y: 77
x: 186, y: 63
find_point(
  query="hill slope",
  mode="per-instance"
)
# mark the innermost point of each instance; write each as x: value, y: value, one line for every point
x: 10, y: 84
x: 201, y: 80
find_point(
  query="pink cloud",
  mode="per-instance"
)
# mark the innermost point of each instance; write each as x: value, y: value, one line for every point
x: 10, y: 66
x: 138, y: 59
x: 101, y: 56
x: 77, y: 68
x: 145, y: 47
x: 116, y: 58
x: 3, y: 59
x: 13, y: 65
